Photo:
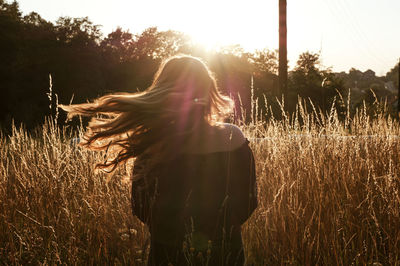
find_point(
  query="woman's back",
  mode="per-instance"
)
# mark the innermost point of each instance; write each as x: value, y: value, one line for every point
x: 197, y: 181
x: 207, y: 139
x: 202, y: 195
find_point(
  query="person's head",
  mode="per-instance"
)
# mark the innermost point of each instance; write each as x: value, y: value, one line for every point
x: 189, y: 90
x: 183, y: 95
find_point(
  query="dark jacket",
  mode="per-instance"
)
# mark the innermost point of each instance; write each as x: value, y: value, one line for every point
x: 198, y: 199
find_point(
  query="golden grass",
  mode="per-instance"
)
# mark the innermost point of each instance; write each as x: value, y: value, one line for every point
x: 324, y: 197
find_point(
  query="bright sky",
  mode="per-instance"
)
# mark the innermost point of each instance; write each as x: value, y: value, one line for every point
x: 349, y: 33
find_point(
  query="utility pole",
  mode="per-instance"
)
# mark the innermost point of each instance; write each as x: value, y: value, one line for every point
x: 398, y: 85
x: 283, y: 73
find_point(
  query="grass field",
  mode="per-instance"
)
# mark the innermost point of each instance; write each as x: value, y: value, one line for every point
x: 325, y: 197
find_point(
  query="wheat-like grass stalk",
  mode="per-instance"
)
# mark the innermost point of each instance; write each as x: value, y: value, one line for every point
x: 328, y: 194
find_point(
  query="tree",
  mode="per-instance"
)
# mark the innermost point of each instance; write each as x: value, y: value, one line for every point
x: 155, y: 44
x: 309, y: 81
x: 10, y: 45
x: 78, y: 30
x: 234, y: 49
x: 308, y: 63
x: 118, y: 46
x: 265, y: 78
x: 393, y: 75
x: 11, y: 10
x: 265, y: 61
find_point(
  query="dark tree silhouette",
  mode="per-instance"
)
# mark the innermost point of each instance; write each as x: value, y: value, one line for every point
x: 310, y: 81
x: 85, y: 64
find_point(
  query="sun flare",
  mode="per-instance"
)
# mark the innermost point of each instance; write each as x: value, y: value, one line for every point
x: 215, y: 24
x: 209, y: 40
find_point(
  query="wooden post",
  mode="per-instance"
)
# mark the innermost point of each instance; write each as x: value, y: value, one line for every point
x: 398, y: 85
x: 283, y: 73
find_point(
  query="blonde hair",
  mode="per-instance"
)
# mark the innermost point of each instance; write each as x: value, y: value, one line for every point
x: 154, y: 123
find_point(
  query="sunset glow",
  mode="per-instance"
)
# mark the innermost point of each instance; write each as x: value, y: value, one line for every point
x: 347, y: 33
x: 217, y: 23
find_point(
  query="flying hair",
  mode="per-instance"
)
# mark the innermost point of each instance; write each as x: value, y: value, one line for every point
x: 150, y: 126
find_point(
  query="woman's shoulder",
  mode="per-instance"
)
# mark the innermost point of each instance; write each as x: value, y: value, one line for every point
x: 222, y: 137
x: 231, y: 134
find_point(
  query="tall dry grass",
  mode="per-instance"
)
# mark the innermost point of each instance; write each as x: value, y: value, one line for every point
x: 326, y: 197
x: 56, y: 209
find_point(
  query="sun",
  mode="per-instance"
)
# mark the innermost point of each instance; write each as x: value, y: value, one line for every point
x: 214, y: 24
x: 210, y: 41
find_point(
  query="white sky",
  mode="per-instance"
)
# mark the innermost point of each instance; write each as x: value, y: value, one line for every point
x: 350, y: 33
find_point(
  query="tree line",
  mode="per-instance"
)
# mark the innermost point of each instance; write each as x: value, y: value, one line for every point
x: 84, y: 64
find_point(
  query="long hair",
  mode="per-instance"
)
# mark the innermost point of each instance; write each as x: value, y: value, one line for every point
x: 153, y: 124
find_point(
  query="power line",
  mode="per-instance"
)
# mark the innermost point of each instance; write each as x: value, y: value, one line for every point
x: 357, y: 36
x: 361, y: 32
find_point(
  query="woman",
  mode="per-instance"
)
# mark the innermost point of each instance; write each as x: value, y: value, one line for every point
x: 193, y: 178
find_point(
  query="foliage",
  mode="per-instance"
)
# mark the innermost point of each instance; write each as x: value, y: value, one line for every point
x: 310, y: 81
x: 393, y: 75
x: 85, y: 64
x: 265, y: 61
